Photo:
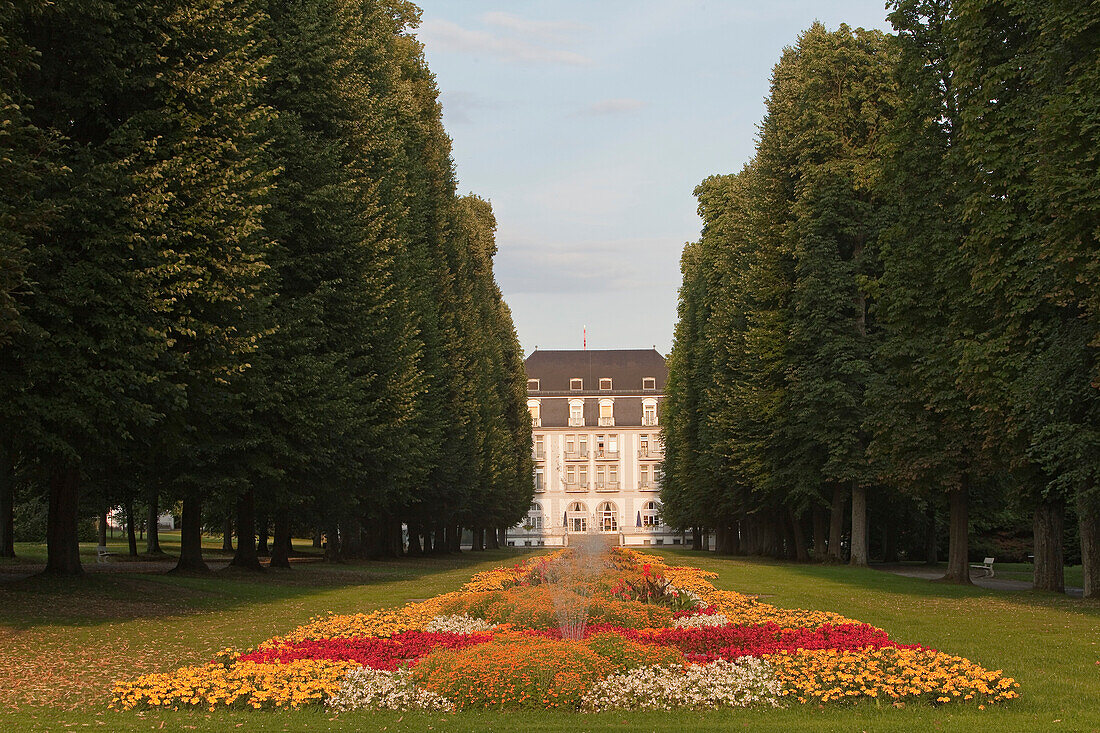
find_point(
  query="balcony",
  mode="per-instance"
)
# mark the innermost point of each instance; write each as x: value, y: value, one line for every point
x: 536, y: 422
x: 607, y: 486
x: 607, y: 455
x: 576, y: 455
x: 648, y: 486
x: 575, y: 488
x: 576, y: 422
x: 607, y: 422
x: 649, y: 421
x: 652, y: 452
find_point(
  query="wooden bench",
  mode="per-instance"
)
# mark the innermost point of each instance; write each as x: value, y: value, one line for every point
x: 986, y: 565
x: 102, y: 554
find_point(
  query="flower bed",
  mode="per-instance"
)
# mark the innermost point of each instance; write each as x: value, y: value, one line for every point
x: 629, y: 632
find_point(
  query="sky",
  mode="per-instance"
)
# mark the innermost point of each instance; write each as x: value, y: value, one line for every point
x: 588, y: 123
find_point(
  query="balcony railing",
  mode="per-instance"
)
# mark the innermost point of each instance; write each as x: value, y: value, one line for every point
x: 651, y: 452
x: 648, y: 486
x: 607, y: 486
x: 576, y: 422
x: 536, y: 422
x: 649, y: 421
x: 576, y: 455
x: 607, y: 422
x: 607, y: 455
x: 576, y: 488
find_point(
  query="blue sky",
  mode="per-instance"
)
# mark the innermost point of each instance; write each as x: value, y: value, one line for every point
x: 587, y: 124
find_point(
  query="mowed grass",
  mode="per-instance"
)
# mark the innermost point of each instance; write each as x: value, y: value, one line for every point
x: 65, y: 641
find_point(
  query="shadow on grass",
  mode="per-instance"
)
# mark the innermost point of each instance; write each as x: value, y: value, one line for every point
x: 102, y: 598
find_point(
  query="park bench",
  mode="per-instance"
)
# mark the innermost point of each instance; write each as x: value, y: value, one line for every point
x: 986, y: 565
x: 102, y: 554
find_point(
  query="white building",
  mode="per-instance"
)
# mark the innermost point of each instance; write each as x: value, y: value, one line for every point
x: 597, y: 447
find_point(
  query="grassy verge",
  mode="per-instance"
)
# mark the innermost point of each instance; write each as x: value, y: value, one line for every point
x: 64, y: 642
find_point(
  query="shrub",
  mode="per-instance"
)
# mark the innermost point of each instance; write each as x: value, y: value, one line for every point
x: 514, y: 671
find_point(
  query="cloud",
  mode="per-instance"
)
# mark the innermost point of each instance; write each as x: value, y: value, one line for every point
x: 459, y: 107
x: 549, y: 30
x: 616, y: 106
x: 444, y: 35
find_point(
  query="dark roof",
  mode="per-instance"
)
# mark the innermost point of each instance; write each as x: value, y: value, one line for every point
x: 626, y: 367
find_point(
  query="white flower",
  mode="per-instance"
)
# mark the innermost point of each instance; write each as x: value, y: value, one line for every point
x: 460, y: 624
x: 377, y: 689
x: 694, y: 622
x: 742, y: 683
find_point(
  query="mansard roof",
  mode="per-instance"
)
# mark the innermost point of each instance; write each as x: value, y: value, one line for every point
x: 626, y: 368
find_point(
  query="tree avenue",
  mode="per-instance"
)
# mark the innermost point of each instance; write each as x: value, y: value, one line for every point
x: 891, y: 313
x: 236, y: 279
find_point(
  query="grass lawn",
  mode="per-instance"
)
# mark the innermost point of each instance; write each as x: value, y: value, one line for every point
x: 65, y: 641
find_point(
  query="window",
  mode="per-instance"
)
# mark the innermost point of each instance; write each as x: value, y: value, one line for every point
x: 650, y: 514
x: 576, y: 383
x: 607, y: 413
x: 601, y: 446
x: 643, y: 445
x: 613, y: 443
x: 539, y: 484
x: 607, y: 517
x: 613, y: 474
x: 583, y: 445
x: 570, y: 475
x: 649, y: 412
x: 576, y: 413
x: 576, y: 517
x: 570, y: 443
x: 535, y: 408
x: 532, y: 385
x: 605, y: 383
x: 645, y: 476
x: 540, y: 447
x: 649, y: 383
x: 582, y: 475
x: 534, y: 517
x: 601, y: 475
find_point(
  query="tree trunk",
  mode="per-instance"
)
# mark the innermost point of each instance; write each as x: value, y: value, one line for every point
x: 62, y: 543
x: 494, y: 538
x: 351, y: 539
x: 1049, y: 529
x: 246, y: 556
x: 859, y: 525
x: 931, y: 537
x: 801, y: 553
x: 476, y: 541
x: 455, y: 538
x: 191, y: 536
x: 101, y: 527
x: 820, y: 529
x: 696, y: 538
x: 131, y: 537
x: 280, y: 550
x: 836, y: 523
x: 317, y: 538
x: 332, y: 544
x: 227, y: 532
x: 262, y: 547
x: 958, y: 554
x: 1088, y: 518
x: 415, y: 548
x: 152, y: 538
x: 7, y: 502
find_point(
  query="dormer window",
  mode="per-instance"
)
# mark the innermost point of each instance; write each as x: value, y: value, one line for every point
x: 532, y: 385
x: 605, y: 383
x: 576, y: 384
x: 649, y: 383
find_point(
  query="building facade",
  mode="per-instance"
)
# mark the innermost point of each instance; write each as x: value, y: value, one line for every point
x: 597, y: 447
